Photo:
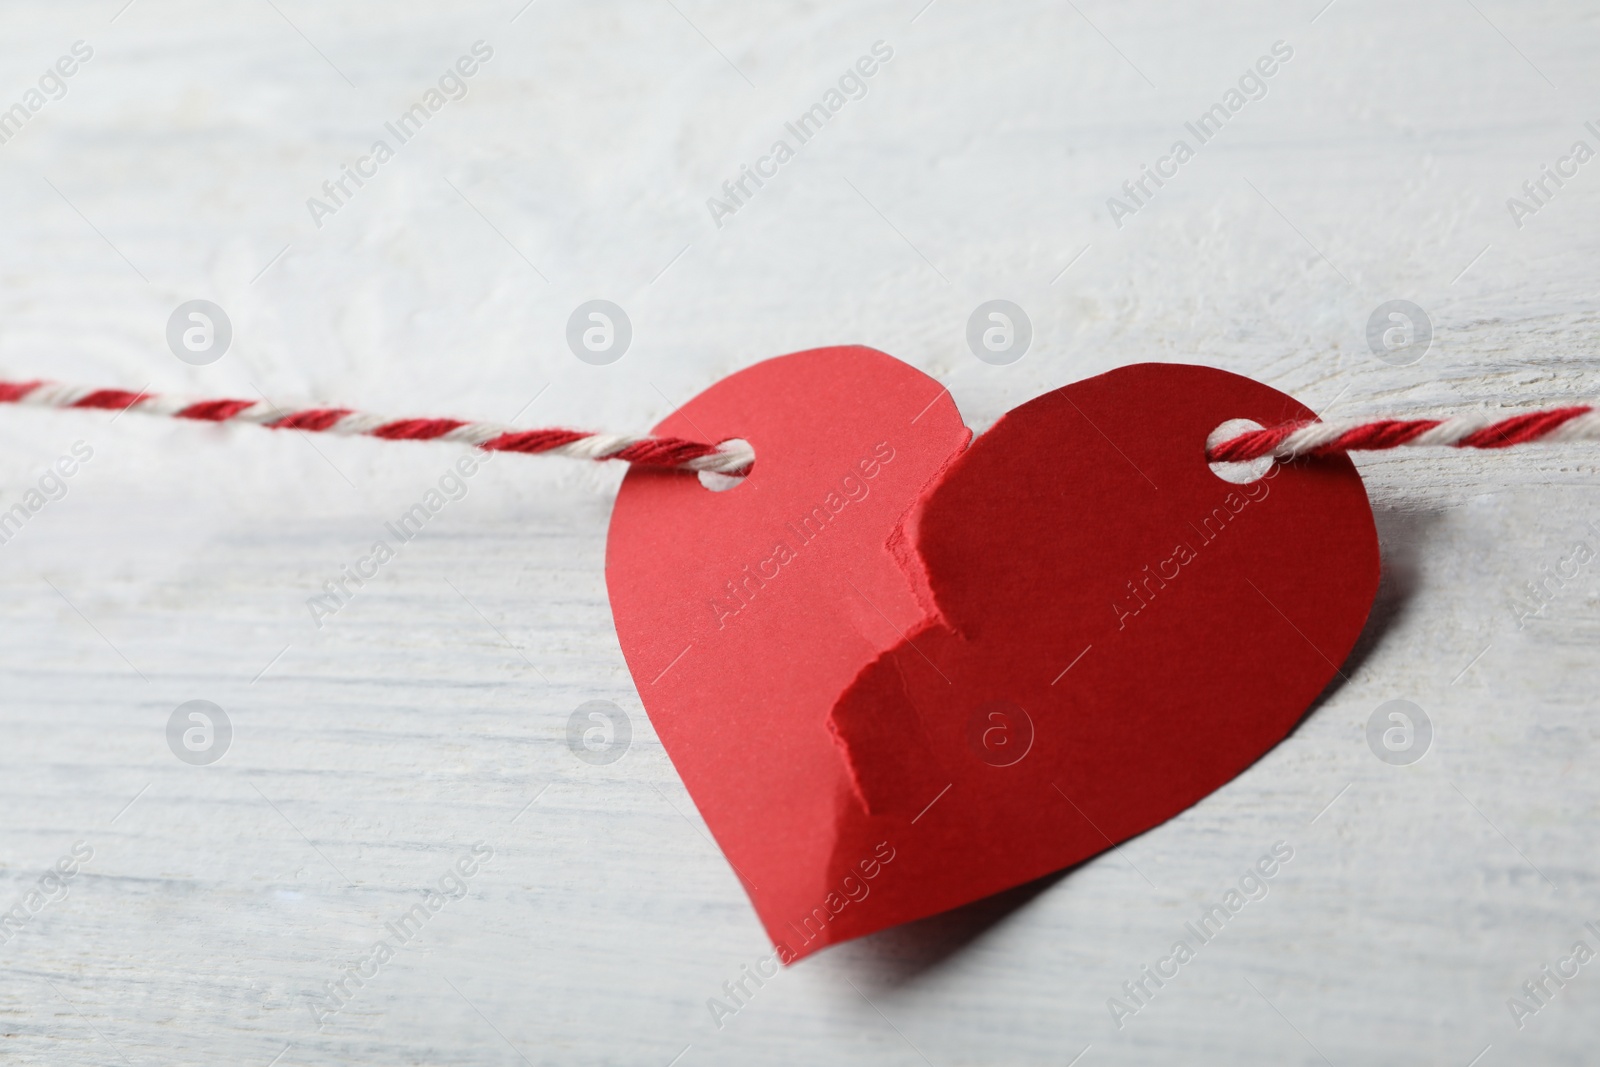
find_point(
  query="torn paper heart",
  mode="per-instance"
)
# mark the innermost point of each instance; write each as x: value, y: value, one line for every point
x: 898, y: 674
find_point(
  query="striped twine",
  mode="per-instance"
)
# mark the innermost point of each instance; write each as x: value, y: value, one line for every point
x: 1297, y: 440
x: 672, y: 453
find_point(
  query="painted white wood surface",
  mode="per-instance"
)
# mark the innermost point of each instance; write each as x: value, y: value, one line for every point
x: 370, y: 754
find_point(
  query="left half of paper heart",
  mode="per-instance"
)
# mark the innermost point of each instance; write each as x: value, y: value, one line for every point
x: 745, y: 614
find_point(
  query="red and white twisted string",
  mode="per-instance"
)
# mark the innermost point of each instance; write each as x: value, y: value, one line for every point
x: 664, y: 452
x: 1318, y: 438
x: 1289, y: 441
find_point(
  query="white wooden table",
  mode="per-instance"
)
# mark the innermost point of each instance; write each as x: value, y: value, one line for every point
x: 430, y: 714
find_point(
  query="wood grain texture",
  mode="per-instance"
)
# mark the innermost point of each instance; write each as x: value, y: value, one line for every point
x: 371, y: 753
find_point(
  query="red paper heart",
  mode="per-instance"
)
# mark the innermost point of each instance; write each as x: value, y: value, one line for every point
x: 897, y: 674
